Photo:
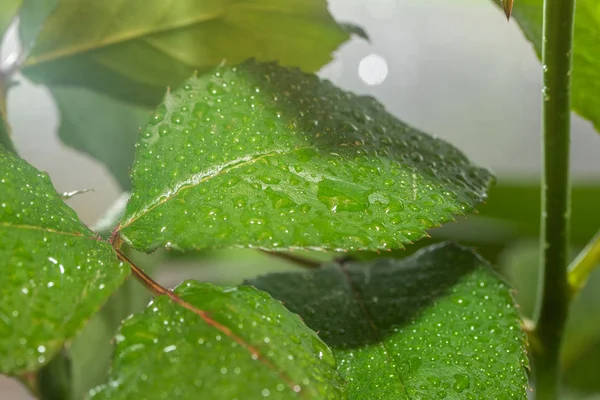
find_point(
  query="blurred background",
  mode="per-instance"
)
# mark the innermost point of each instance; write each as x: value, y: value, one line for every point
x: 454, y: 69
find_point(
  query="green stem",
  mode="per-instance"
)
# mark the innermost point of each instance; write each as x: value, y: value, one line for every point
x: 5, y: 133
x: 584, y: 264
x: 553, y: 292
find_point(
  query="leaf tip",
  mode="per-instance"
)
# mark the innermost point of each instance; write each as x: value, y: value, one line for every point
x: 507, y: 5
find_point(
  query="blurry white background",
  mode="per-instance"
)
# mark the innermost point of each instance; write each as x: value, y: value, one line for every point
x: 456, y: 69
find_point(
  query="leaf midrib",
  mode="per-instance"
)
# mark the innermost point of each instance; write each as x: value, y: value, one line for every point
x: 355, y: 291
x: 124, y: 37
x: 43, y: 229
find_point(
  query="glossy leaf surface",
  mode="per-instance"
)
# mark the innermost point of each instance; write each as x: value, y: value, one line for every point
x: 438, y: 324
x: 101, y: 127
x: 55, y: 273
x: 585, y: 87
x: 232, y: 343
x: 264, y: 156
x: 133, y: 49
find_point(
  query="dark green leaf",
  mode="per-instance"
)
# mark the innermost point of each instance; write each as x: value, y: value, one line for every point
x: 133, y: 49
x: 229, y: 343
x: 264, y: 156
x: 439, y: 324
x: 585, y: 87
x: 581, y: 350
x: 54, y: 379
x: 54, y: 272
x: 8, y: 10
x: 100, y: 126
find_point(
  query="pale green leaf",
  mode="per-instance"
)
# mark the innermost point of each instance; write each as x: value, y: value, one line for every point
x: 8, y: 10
x: 133, y: 49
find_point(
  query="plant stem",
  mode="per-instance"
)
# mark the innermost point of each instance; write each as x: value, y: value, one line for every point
x: 553, y: 288
x: 583, y: 265
x: 5, y: 139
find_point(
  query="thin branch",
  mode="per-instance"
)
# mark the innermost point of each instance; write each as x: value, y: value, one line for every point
x: 300, y: 261
x: 156, y: 288
x: 159, y: 290
x: 581, y: 268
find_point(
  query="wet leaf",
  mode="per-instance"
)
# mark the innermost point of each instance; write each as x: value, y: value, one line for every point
x: 237, y: 343
x: 101, y: 127
x: 585, y: 87
x: 91, y: 349
x: 581, y: 352
x: 54, y: 272
x: 264, y: 156
x: 438, y: 324
x: 132, y: 50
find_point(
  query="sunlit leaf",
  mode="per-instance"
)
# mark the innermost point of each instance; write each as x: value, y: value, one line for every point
x: 264, y: 156
x: 133, y: 49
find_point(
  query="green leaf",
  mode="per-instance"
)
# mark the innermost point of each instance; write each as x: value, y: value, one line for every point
x: 8, y: 10
x: 100, y: 126
x: 263, y: 156
x: 54, y: 272
x: 227, y: 343
x: 438, y: 324
x: 585, y: 86
x: 582, y: 334
x: 134, y: 49
x: 91, y: 349
x: 32, y: 16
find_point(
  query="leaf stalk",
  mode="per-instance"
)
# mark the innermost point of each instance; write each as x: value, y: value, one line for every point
x: 581, y: 268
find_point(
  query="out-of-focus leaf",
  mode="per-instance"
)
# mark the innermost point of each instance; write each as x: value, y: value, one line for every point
x: 519, y: 204
x: 8, y: 10
x: 582, y: 335
x: 585, y: 87
x: 55, y: 273
x: 264, y: 156
x: 133, y: 49
x: 100, y: 126
x: 439, y: 324
x: 227, y: 343
x: 32, y: 17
